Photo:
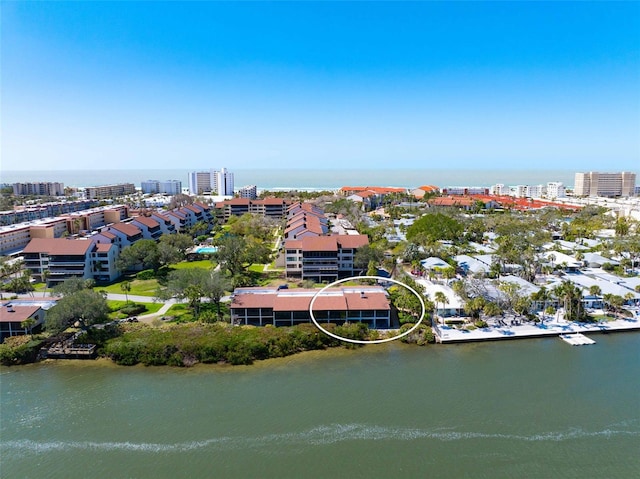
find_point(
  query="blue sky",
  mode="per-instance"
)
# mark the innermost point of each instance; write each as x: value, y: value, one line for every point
x: 117, y: 85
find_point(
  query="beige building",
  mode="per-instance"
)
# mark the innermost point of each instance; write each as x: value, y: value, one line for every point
x: 605, y: 184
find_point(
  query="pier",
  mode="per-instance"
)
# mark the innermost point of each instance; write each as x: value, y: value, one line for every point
x: 576, y: 339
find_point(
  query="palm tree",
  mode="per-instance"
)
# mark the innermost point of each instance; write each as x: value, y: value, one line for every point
x: 440, y: 298
x: 125, y: 286
x: 45, y: 279
x: 594, y: 290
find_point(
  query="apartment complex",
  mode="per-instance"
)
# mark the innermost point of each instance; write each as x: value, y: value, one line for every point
x: 249, y: 191
x: 21, y: 214
x: 323, y: 258
x: 223, y: 182
x: 605, y: 184
x: 167, y: 187
x: 109, y: 191
x: 15, y: 237
x: 287, y: 307
x: 38, y: 189
x: 271, y: 207
x: 218, y: 181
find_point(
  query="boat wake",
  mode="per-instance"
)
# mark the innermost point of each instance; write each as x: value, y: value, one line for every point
x: 317, y: 436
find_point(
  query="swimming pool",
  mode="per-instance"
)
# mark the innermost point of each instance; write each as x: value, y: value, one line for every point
x: 206, y: 250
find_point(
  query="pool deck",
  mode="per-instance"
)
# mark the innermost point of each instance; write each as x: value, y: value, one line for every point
x: 551, y: 327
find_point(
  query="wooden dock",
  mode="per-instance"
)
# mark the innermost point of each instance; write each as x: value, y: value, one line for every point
x: 576, y: 339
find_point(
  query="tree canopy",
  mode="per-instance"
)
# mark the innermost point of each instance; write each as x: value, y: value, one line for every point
x: 435, y: 227
x: 85, y: 304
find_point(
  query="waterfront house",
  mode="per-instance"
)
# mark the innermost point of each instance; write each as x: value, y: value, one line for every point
x: 17, y: 319
x: 287, y: 307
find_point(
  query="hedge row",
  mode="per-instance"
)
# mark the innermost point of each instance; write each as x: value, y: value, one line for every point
x: 191, y: 343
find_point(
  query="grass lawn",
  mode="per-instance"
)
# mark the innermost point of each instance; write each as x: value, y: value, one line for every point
x: 117, y: 305
x: 256, y: 268
x: 139, y: 287
x: 203, y: 263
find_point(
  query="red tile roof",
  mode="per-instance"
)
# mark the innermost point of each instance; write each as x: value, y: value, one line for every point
x: 126, y: 228
x: 20, y: 313
x: 58, y: 246
x: 148, y: 222
x: 104, y: 247
x: 333, y: 299
x: 352, y: 241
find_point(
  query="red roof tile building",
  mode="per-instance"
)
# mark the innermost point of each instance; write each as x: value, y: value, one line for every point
x: 287, y: 307
x: 323, y: 258
x: 13, y: 317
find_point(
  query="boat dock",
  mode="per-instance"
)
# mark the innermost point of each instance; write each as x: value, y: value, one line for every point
x: 576, y: 339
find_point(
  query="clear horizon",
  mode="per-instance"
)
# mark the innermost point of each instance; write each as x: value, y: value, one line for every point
x: 319, y: 85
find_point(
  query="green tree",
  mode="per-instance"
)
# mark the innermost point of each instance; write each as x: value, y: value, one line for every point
x: 216, y: 287
x: 435, y: 227
x: 236, y: 253
x: 143, y: 253
x: 125, y: 286
x: 85, y: 304
x: 440, y: 298
x: 367, y: 254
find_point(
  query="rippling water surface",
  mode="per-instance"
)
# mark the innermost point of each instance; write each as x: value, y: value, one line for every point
x: 538, y: 408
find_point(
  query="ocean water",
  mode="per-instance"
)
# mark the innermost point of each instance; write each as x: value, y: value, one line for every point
x: 527, y: 408
x: 318, y: 179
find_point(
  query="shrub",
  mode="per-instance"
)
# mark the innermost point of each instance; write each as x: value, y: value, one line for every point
x: 133, y: 309
x: 19, y: 350
x: 146, y: 274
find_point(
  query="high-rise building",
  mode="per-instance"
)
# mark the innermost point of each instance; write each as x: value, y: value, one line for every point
x: 249, y: 191
x: 200, y: 182
x: 168, y: 187
x: 109, y: 191
x: 38, y: 189
x: 223, y: 182
x: 604, y: 184
x: 556, y: 189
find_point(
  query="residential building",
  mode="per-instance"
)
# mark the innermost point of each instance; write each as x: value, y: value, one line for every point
x: 556, y: 189
x: 420, y: 191
x: 287, y: 307
x: 13, y: 315
x: 270, y: 207
x: 499, y: 189
x: 44, y: 210
x: 604, y: 184
x: 103, y: 262
x: 109, y: 191
x: 168, y: 187
x: 249, y: 191
x: 150, y: 228
x: 64, y: 258
x: 323, y: 258
x: 201, y: 182
x: 223, y: 182
x: 38, y: 189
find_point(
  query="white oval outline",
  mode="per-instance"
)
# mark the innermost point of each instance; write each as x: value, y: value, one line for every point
x: 373, y: 341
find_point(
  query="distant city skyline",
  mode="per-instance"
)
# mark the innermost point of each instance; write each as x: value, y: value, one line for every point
x: 475, y: 85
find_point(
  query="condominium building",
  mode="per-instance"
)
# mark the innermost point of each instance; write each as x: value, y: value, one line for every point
x: 605, y: 184
x: 38, y: 189
x: 499, y: 189
x: 249, y: 191
x: 201, y: 182
x: 109, y: 191
x: 168, y: 187
x: 556, y: 189
x: 218, y: 181
x: 62, y: 258
x: 223, y: 182
x: 271, y: 207
x: 287, y: 307
x: 323, y: 258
